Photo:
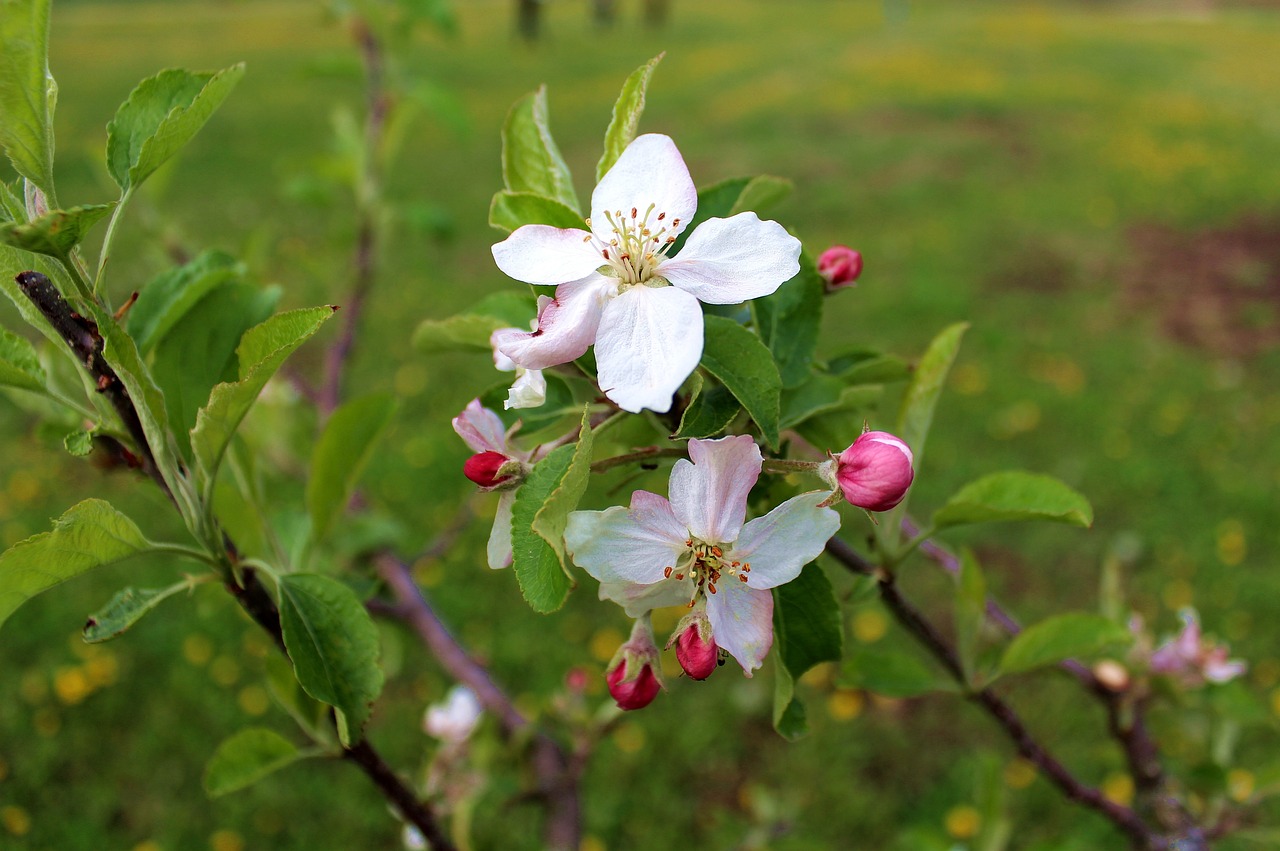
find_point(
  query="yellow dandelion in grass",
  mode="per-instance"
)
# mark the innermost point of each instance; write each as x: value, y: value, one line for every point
x: 605, y: 643
x: 1019, y: 774
x: 16, y: 820
x: 963, y: 822
x: 1118, y: 788
x: 197, y: 649
x: 226, y: 840
x: 71, y: 686
x: 1240, y: 784
x: 845, y: 704
x: 629, y: 738
x: 225, y: 671
x: 870, y: 625
x: 253, y: 700
x: 1231, y: 544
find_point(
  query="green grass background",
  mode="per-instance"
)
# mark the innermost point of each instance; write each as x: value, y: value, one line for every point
x: 990, y: 160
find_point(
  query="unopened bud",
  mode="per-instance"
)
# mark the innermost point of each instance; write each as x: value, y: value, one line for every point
x: 633, y: 677
x: 696, y: 650
x: 875, y: 472
x: 36, y: 203
x: 840, y: 267
x: 482, y: 468
x: 1111, y: 675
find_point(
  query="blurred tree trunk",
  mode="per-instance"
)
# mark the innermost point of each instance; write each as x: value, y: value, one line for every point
x: 605, y: 13
x: 655, y: 12
x: 528, y: 18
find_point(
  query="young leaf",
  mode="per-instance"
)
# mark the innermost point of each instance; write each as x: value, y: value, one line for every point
x: 971, y: 613
x: 262, y: 350
x: 866, y: 366
x: 789, y: 717
x: 818, y: 395
x: 90, y: 534
x: 470, y: 331
x: 310, y: 714
x: 1014, y: 495
x: 892, y: 673
x: 56, y: 232
x: 333, y: 643
x: 510, y: 210
x: 788, y: 322
x: 126, y: 608
x: 1061, y: 637
x: 171, y: 294
x: 531, y: 162
x: 161, y: 116
x: 27, y: 91
x: 19, y: 364
x: 341, y: 454
x: 626, y: 115
x: 807, y: 628
x: 553, y: 516
x: 742, y: 363
x: 246, y: 758
x: 710, y: 411
x: 79, y: 443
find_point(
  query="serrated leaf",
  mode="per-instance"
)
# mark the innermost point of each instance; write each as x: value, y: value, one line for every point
x: 788, y: 322
x: 710, y: 411
x: 1062, y: 637
x: 161, y: 116
x: 90, y: 534
x: 173, y: 293
x: 310, y: 714
x: 56, y: 232
x: 28, y: 93
x: 470, y: 331
x: 551, y: 519
x: 1014, y: 495
x: 626, y: 115
x: 78, y: 443
x: 246, y: 758
x: 742, y: 364
x: 970, y: 613
x: 261, y: 352
x: 126, y: 608
x: 19, y: 363
x: 341, y: 454
x: 892, y: 673
x: 510, y: 210
x: 333, y: 643
x: 807, y: 630
x: 531, y: 162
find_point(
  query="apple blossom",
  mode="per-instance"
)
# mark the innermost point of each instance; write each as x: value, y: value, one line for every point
x: 695, y: 546
x: 455, y: 718
x: 696, y: 650
x: 618, y: 288
x: 633, y: 675
x: 840, y: 267
x: 875, y: 472
x: 529, y: 390
x: 1192, y: 659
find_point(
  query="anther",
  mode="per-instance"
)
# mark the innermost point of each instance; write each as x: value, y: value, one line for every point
x: 680, y: 577
x: 717, y: 552
x: 633, y: 212
x: 711, y: 587
x: 742, y: 577
x: 666, y: 573
x: 661, y: 216
x: 605, y: 252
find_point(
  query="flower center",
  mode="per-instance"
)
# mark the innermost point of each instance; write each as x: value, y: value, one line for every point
x: 704, y: 565
x: 635, y: 244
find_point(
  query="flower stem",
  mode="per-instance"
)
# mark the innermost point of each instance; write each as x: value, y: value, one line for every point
x: 650, y: 453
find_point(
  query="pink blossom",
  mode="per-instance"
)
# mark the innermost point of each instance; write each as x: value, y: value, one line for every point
x: 632, y: 676
x: 840, y: 267
x: 1192, y: 659
x: 482, y: 468
x: 696, y: 650
x: 875, y: 472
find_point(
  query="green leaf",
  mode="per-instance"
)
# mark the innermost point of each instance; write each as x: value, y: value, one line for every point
x: 56, y: 232
x: 626, y: 115
x: 1014, y: 495
x: 161, y: 116
x: 788, y: 321
x: 829, y: 426
x: 710, y: 411
x: 818, y: 395
x: 90, y: 534
x: 262, y: 350
x: 28, y: 93
x: 310, y: 714
x: 510, y: 210
x: 341, y: 454
x: 789, y: 717
x: 173, y: 293
x: 892, y: 673
x: 19, y: 364
x: 126, y: 608
x: 971, y: 613
x: 553, y: 516
x: 866, y: 366
x: 1062, y: 637
x: 735, y: 195
x: 808, y: 631
x: 470, y: 331
x: 79, y: 443
x: 742, y: 363
x: 531, y: 162
x: 333, y: 643
x: 760, y: 193
x: 246, y: 758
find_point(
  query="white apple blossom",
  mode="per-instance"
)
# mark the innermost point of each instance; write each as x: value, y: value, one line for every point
x: 529, y: 390
x: 455, y: 718
x: 695, y: 546
x: 617, y: 288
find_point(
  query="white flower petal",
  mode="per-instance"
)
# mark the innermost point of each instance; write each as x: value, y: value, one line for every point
x: 499, y: 549
x: 566, y: 325
x: 454, y: 718
x: 709, y: 492
x: 782, y: 542
x: 541, y: 254
x: 638, y: 599
x: 650, y: 171
x: 727, y: 261
x: 633, y: 545
x: 649, y: 340
x: 528, y: 391
x: 481, y: 429
x: 742, y: 622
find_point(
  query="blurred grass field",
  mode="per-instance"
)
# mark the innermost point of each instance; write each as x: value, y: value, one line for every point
x: 1094, y: 186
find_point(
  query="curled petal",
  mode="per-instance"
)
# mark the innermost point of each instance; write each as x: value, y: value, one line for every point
x: 782, y: 542
x: 541, y: 254
x: 481, y: 429
x: 528, y: 391
x: 650, y: 171
x: 709, y: 492
x: 627, y: 545
x: 499, y: 549
x: 727, y: 261
x: 742, y: 623
x: 648, y: 342
x: 566, y: 325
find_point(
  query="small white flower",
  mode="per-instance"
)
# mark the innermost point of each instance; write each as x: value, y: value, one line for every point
x: 617, y: 288
x: 529, y: 390
x: 455, y: 718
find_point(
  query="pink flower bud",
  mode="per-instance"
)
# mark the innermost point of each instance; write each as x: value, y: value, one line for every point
x: 482, y: 468
x: 840, y: 267
x: 633, y: 673
x: 696, y: 656
x: 875, y: 472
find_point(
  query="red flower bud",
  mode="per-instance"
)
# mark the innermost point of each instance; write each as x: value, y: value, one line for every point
x: 839, y: 266
x: 483, y: 467
x: 636, y: 692
x: 696, y: 654
x: 875, y: 472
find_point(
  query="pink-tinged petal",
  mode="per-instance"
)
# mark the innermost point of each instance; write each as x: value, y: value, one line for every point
x: 742, y: 622
x: 528, y: 391
x: 566, y: 325
x: 638, y: 599
x: 541, y: 254
x: 709, y: 491
x: 633, y: 544
x: 649, y: 341
x: 727, y: 261
x: 481, y: 429
x: 650, y: 171
x: 779, y: 544
x: 499, y: 549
